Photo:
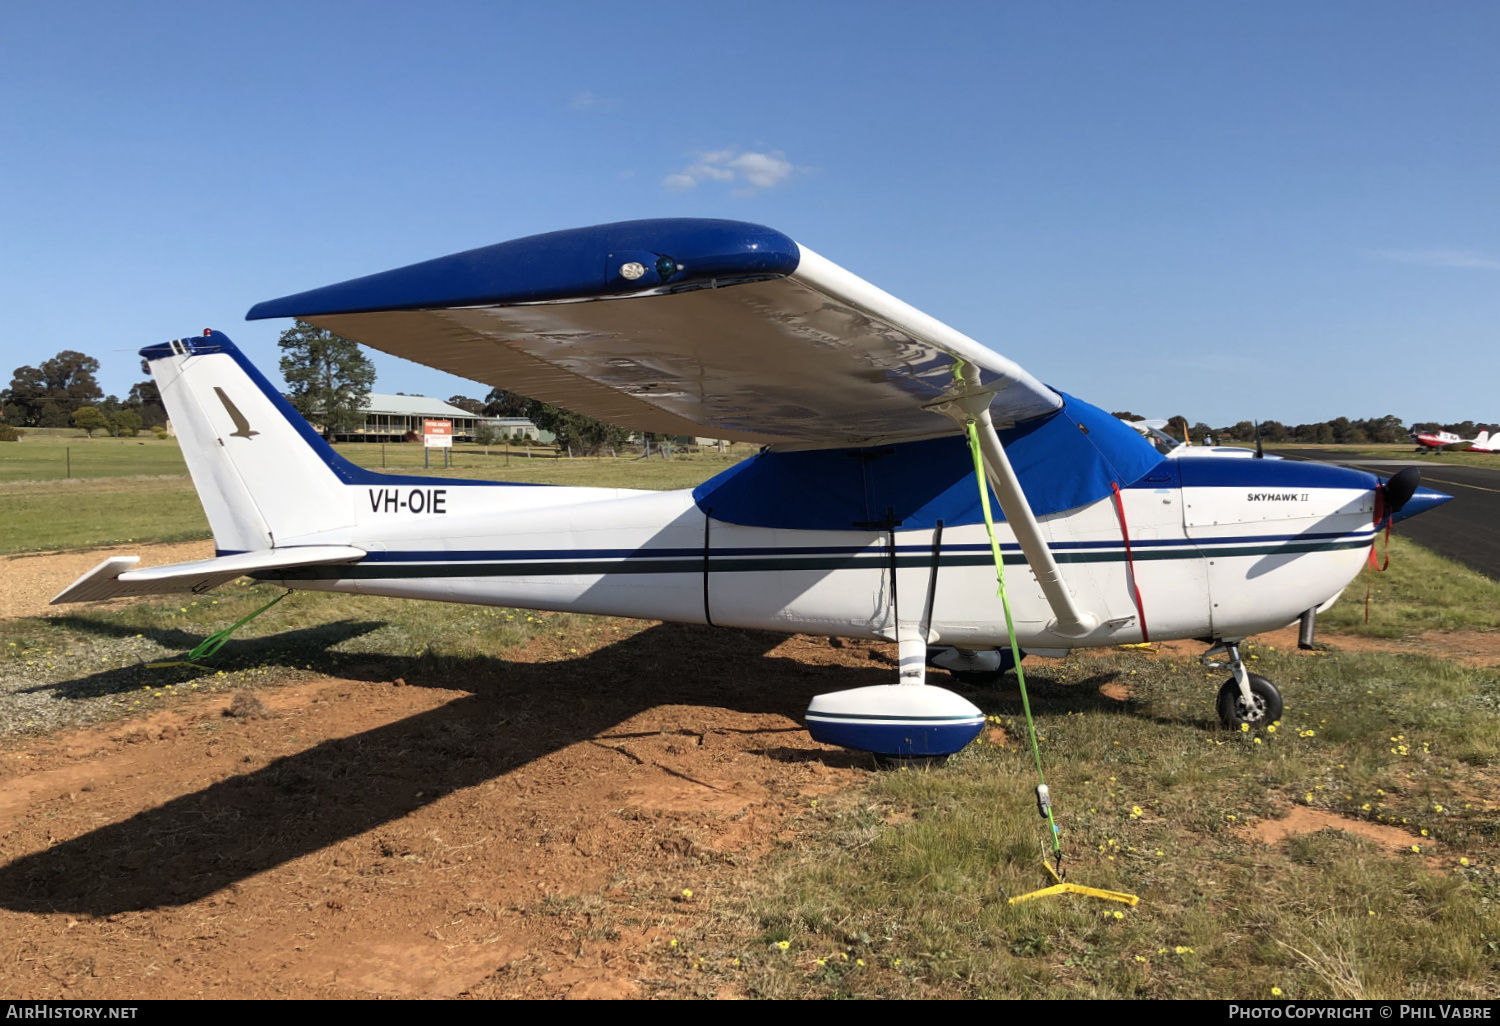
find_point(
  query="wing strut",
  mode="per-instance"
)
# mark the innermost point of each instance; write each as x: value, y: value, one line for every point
x: 974, y: 404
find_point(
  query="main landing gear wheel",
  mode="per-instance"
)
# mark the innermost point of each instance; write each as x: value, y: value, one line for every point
x: 973, y: 669
x: 1264, y: 706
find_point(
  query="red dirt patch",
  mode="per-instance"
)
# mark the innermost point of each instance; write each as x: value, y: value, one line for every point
x: 369, y: 839
x: 1115, y: 690
x: 1303, y: 820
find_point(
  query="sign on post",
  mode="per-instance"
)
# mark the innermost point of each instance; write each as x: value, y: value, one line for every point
x: 437, y: 434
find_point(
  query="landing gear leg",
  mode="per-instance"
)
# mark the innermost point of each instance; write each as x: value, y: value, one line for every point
x: 1309, y: 628
x: 1245, y: 699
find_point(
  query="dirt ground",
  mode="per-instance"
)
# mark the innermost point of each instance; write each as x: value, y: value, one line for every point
x: 31, y: 580
x: 404, y: 839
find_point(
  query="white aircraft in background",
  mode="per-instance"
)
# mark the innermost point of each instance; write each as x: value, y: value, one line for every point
x: 1154, y: 431
x: 1485, y: 443
x: 861, y: 517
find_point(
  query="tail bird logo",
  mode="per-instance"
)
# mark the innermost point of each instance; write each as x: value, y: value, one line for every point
x: 241, y: 425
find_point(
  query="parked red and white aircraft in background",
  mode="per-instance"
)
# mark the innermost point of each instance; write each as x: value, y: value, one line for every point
x: 1439, y: 441
x: 1486, y: 442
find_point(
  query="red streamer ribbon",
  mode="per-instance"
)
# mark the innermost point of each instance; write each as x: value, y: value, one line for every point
x: 1130, y: 562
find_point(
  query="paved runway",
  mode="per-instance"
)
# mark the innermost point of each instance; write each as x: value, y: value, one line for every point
x: 1466, y: 529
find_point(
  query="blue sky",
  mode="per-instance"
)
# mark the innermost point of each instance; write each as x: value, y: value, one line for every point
x: 1273, y: 210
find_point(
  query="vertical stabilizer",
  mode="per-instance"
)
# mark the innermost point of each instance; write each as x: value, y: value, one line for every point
x: 263, y: 474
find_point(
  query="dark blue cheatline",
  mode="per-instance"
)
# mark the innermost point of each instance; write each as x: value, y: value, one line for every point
x: 591, y: 562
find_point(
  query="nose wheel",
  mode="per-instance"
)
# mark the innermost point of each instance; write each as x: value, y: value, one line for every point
x: 1263, y: 706
x: 1246, y: 699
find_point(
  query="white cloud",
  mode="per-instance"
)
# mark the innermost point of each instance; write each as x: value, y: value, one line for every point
x: 1465, y: 258
x: 755, y: 170
x: 587, y: 99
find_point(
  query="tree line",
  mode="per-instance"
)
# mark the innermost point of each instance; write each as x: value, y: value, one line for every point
x: 64, y: 392
x: 329, y: 379
x: 1339, y: 431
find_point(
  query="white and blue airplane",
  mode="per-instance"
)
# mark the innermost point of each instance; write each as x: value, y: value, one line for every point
x: 859, y: 518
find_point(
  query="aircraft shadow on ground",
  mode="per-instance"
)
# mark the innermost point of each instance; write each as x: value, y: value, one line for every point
x: 308, y: 644
x: 511, y: 714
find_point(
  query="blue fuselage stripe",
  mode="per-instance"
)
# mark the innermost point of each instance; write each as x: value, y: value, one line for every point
x: 592, y: 562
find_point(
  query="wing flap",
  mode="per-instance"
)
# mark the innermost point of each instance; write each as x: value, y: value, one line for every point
x: 113, y: 578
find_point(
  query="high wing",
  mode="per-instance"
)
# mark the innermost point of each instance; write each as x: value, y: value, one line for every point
x: 679, y: 326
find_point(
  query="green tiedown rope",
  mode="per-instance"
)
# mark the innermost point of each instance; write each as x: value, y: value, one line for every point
x: 215, y: 641
x: 1043, y: 798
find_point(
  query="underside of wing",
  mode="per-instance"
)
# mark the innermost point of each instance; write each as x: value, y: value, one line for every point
x: 679, y: 326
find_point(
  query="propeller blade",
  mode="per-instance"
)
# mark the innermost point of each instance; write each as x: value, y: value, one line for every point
x: 1260, y: 452
x: 1400, y: 487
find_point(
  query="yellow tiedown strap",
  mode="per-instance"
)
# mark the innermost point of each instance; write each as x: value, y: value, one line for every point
x: 1044, y: 799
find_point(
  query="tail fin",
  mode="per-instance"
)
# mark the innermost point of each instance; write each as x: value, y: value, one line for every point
x: 263, y: 474
x: 1482, y: 441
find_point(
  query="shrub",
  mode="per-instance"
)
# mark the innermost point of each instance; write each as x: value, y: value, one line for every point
x: 10, y: 434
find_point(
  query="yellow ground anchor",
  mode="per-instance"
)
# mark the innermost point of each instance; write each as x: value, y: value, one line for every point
x: 1066, y: 888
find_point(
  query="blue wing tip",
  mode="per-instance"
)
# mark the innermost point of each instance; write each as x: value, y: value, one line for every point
x: 576, y: 263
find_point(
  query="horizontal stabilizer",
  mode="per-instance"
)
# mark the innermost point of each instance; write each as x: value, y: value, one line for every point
x: 113, y: 578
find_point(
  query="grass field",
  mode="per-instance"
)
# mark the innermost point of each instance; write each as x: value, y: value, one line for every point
x: 1154, y: 799
x: 1420, y: 591
x: 1405, y: 451
x: 128, y: 490
x: 898, y: 887
x: 56, y: 456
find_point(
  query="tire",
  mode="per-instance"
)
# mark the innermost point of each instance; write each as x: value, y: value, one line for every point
x: 1232, y: 711
x: 990, y: 678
